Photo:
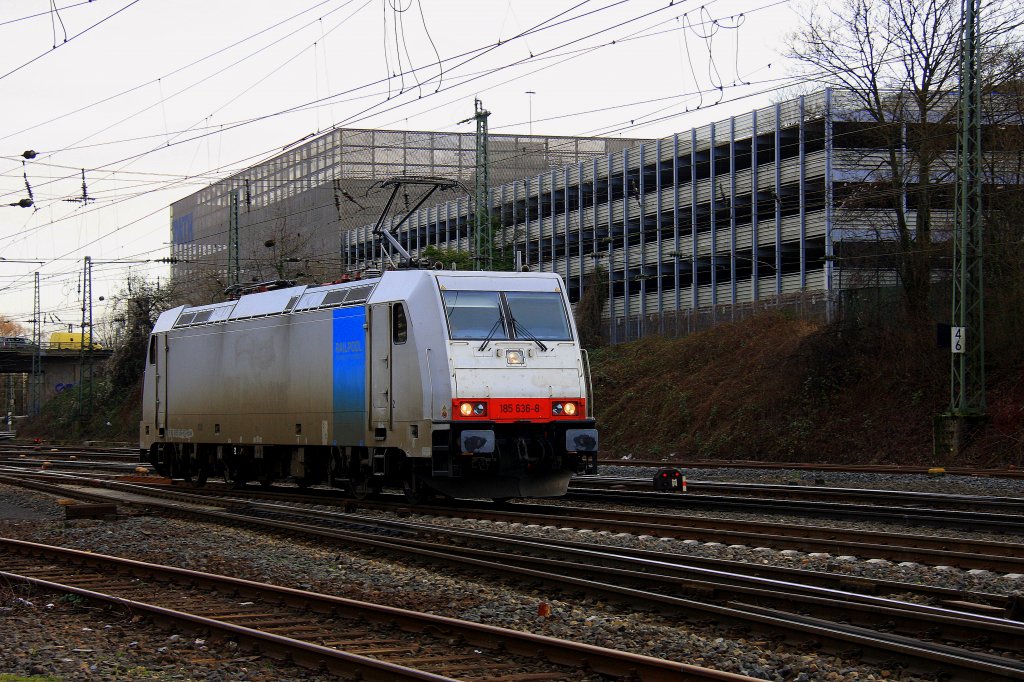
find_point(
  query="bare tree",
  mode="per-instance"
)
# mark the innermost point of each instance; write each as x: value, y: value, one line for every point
x: 134, y: 311
x: 284, y: 254
x: 1003, y: 103
x: 899, y: 60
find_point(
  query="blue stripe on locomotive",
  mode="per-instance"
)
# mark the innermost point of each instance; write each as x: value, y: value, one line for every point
x: 349, y: 355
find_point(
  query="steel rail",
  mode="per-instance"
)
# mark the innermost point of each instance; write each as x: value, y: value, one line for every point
x: 882, y: 644
x: 7, y: 449
x: 931, y: 550
x: 903, y: 498
x: 1004, y: 557
x: 932, y: 517
x: 112, y: 466
x: 559, y: 652
x: 674, y: 572
x: 987, y: 604
x: 331, y: 658
x: 997, y: 472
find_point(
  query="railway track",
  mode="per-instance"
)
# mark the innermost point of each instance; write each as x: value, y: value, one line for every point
x: 99, y: 453
x: 970, y: 512
x: 114, y: 467
x: 1009, y: 517
x: 766, y: 604
x: 796, y: 491
x: 997, y: 472
x: 315, y: 630
x: 129, y: 453
x: 967, y: 554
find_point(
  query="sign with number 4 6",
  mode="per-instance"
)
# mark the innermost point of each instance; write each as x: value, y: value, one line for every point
x: 957, y: 339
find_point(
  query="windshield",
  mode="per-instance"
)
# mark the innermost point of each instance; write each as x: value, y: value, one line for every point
x: 538, y: 315
x: 477, y: 315
x: 474, y: 315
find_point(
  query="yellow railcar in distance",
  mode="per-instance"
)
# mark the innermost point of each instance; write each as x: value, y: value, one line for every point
x: 71, y: 341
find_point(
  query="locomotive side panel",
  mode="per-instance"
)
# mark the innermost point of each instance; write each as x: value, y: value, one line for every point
x: 264, y: 380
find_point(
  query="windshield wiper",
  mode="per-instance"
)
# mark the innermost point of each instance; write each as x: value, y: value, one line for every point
x: 527, y: 333
x: 490, y: 334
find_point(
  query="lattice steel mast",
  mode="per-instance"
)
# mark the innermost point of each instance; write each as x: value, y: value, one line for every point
x: 967, y: 394
x: 483, y: 242
x: 85, y: 356
x: 234, y: 272
x: 35, y: 386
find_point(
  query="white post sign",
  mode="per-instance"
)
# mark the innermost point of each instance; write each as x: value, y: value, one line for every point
x: 957, y: 339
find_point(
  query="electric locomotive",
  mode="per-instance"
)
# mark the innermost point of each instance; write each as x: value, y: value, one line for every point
x: 464, y: 384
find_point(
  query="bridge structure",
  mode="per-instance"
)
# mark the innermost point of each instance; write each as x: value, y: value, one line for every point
x: 60, y: 365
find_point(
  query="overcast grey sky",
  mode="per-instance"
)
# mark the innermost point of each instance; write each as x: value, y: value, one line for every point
x: 158, y: 99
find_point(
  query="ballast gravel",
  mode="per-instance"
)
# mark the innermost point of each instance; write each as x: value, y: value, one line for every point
x: 51, y: 636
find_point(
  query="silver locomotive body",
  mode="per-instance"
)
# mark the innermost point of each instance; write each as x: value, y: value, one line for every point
x: 462, y: 383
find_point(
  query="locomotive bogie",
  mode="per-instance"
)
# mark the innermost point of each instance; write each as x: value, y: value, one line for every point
x: 367, y: 384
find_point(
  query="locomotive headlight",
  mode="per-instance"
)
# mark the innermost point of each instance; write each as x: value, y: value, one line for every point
x: 479, y: 409
x: 567, y: 409
x: 514, y: 357
x: 466, y: 409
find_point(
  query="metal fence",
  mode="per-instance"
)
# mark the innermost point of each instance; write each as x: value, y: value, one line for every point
x: 817, y: 305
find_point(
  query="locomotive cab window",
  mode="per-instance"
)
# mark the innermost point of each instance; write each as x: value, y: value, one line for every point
x: 493, y: 315
x: 399, y: 324
x: 539, y: 315
x: 474, y: 315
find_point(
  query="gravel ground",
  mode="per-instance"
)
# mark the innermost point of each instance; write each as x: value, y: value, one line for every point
x: 39, y: 629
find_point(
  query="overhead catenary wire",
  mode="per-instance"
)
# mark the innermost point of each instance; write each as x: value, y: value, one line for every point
x: 165, y: 76
x: 292, y: 109
x: 68, y: 40
x: 627, y: 128
x: 470, y: 53
x: 47, y: 13
x: 541, y: 24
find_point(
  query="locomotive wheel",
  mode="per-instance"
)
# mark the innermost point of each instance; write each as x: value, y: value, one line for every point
x: 186, y: 466
x: 198, y: 480
x: 361, y: 484
x: 414, y: 490
x: 412, y: 494
x: 200, y: 467
x: 233, y: 477
x: 363, y: 488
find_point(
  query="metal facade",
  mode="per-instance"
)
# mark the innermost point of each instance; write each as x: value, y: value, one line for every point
x: 311, y: 200
x: 728, y: 213
x: 774, y: 207
x: 770, y: 207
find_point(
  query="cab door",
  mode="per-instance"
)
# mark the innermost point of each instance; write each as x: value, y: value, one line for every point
x: 158, y: 348
x: 380, y: 370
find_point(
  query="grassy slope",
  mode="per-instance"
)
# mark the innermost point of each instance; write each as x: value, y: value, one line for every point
x: 56, y: 422
x: 776, y: 388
